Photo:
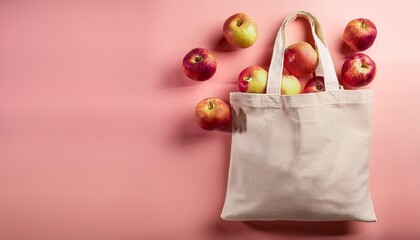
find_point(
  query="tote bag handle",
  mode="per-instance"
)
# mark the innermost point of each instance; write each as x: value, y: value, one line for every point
x: 325, y: 64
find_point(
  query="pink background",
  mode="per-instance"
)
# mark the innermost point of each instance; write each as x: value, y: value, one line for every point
x: 97, y: 131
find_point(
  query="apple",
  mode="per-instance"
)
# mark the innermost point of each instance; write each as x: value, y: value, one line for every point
x: 300, y: 59
x: 315, y: 84
x: 290, y: 85
x: 212, y: 113
x: 359, y: 34
x: 199, y: 64
x: 240, y: 30
x: 358, y: 70
x: 253, y: 79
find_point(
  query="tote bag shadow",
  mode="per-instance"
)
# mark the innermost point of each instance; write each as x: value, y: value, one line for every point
x: 300, y: 157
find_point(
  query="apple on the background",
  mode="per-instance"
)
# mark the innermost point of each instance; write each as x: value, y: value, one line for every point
x: 253, y: 79
x: 290, y: 85
x: 360, y: 34
x: 212, y: 113
x: 199, y: 64
x: 240, y: 30
x: 358, y: 70
x: 300, y: 59
x: 315, y: 84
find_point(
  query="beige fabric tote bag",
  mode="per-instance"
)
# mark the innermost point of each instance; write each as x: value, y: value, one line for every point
x: 300, y: 157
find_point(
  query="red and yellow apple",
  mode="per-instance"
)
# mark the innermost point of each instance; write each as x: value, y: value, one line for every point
x: 358, y: 70
x: 212, y: 113
x: 315, y: 84
x: 253, y: 79
x: 300, y: 59
x: 290, y: 85
x: 360, y: 34
x: 199, y: 64
x: 240, y: 30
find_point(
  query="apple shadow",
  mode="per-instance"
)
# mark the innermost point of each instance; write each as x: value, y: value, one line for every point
x: 227, y: 128
x: 221, y: 45
x: 188, y: 132
x: 175, y: 77
x: 345, y: 50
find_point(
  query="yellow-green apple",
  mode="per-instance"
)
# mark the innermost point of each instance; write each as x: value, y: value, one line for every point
x: 199, y: 64
x: 358, y: 70
x: 240, y: 30
x: 315, y: 84
x: 253, y: 79
x: 290, y: 85
x: 300, y: 59
x: 360, y: 34
x: 212, y: 113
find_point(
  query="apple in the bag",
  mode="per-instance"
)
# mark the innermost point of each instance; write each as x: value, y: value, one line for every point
x: 360, y: 34
x: 300, y: 59
x: 199, y: 64
x: 253, y: 79
x: 358, y: 70
x: 240, y: 30
x: 212, y: 113
x: 315, y: 84
x: 290, y: 85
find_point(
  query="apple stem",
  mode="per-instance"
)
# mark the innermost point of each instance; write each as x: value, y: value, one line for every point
x: 318, y: 86
x: 248, y: 79
x: 197, y: 59
x: 363, y: 23
x: 211, y: 105
x: 239, y: 23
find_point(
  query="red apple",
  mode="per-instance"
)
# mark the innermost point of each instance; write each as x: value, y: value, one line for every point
x: 199, y: 64
x: 360, y: 34
x: 300, y: 59
x: 253, y: 79
x: 212, y: 113
x: 358, y: 70
x: 315, y: 84
x: 240, y: 30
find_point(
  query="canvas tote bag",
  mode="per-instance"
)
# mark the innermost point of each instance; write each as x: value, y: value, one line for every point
x: 300, y: 157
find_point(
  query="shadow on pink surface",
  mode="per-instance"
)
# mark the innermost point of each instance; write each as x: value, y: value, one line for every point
x: 189, y: 132
x: 226, y: 229
x: 305, y: 228
x: 345, y: 50
x: 221, y: 45
x: 175, y: 76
